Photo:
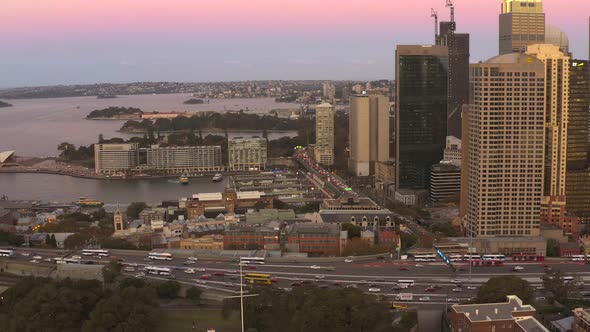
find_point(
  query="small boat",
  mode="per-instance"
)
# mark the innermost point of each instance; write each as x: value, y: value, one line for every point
x: 88, y: 202
x: 217, y: 177
x: 183, y: 179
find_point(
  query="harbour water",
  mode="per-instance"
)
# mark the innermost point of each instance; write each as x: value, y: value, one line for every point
x: 65, y: 189
x: 35, y: 127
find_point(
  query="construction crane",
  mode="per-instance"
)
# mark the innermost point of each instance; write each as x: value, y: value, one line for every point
x: 434, y: 13
x: 452, y: 7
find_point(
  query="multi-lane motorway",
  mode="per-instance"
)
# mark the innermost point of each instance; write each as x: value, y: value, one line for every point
x: 434, y: 283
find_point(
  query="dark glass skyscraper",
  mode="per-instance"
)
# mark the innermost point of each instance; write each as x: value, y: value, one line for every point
x: 458, y: 86
x: 578, y: 175
x: 421, y: 112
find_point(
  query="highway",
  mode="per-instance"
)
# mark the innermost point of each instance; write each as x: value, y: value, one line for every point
x: 434, y: 282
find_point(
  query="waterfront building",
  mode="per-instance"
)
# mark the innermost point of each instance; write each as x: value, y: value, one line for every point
x: 421, y: 112
x: 324, y: 134
x: 505, y: 147
x: 458, y: 78
x: 368, y: 132
x: 184, y: 159
x: 522, y: 23
x: 445, y: 182
x: 510, y: 316
x: 247, y: 154
x: 115, y: 158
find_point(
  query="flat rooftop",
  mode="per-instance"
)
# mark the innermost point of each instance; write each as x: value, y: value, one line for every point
x: 493, y: 311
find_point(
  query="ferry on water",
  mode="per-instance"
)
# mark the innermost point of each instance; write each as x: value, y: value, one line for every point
x: 217, y: 177
x: 88, y: 202
x: 183, y: 179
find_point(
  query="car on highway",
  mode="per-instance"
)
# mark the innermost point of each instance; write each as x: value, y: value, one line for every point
x: 419, y: 265
x: 201, y: 281
x: 472, y: 287
x: 205, y: 277
x: 424, y: 299
x: 76, y: 257
x: 34, y: 261
x: 188, y: 263
x: 348, y: 260
x: 403, y: 268
x: 190, y: 271
x: 396, y: 287
x: 431, y: 289
x: 315, y: 267
x: 193, y: 259
x: 48, y: 260
x: 252, y: 267
x: 129, y: 269
x: 26, y: 254
x: 351, y: 286
x: 453, y: 299
x: 219, y: 273
x: 200, y: 269
x: 374, y: 290
x: 140, y: 275
x: 320, y: 276
x: 456, y: 281
x: 457, y: 290
x: 518, y: 268
x: 540, y: 298
x: 37, y: 257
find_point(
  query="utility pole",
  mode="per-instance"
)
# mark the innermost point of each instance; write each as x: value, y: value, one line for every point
x: 241, y: 298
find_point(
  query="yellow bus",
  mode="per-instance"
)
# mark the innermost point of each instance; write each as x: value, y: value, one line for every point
x: 258, y: 278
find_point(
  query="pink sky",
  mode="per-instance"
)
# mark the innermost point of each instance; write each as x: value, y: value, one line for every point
x: 45, y: 26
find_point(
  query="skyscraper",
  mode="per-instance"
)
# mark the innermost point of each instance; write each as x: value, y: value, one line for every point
x: 557, y: 108
x: 421, y: 112
x: 522, y: 23
x: 458, y: 86
x: 577, y: 188
x: 505, y: 133
x: 369, y: 132
x: 324, y: 134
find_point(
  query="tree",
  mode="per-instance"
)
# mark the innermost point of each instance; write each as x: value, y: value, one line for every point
x: 408, y: 240
x: 135, y: 208
x: 52, y: 241
x: 444, y: 228
x: 353, y: 230
x: 100, y: 139
x: 552, y: 248
x: 194, y: 294
x: 111, y: 271
x: 168, y: 289
x: 559, y: 289
x: 497, y: 288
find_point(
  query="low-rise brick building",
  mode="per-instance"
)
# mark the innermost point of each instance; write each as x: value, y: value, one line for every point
x: 249, y: 237
x: 314, y: 239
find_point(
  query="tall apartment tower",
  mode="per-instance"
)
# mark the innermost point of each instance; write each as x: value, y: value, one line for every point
x: 324, y: 134
x: 421, y: 112
x: 368, y: 132
x: 505, y: 146
x: 577, y: 189
x: 458, y: 86
x: 557, y: 109
x: 522, y: 23
x: 329, y: 90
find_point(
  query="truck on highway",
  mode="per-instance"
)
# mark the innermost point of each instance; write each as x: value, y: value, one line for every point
x: 404, y: 297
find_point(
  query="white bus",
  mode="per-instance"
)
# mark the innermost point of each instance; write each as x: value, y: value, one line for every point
x: 163, y: 256
x: 252, y: 260
x: 59, y: 260
x: 472, y: 257
x: 425, y: 258
x: 405, y: 283
x: 163, y: 271
x: 578, y: 258
x: 494, y: 257
x: 95, y: 252
x: 456, y: 258
x: 6, y: 253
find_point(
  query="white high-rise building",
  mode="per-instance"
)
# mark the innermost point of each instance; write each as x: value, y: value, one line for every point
x: 115, y: 158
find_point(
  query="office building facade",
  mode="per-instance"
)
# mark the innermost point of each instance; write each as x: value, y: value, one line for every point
x: 445, y: 182
x: 421, y: 112
x: 522, y: 23
x: 324, y: 134
x: 180, y: 159
x: 368, y: 132
x: 505, y: 147
x: 247, y: 154
x: 115, y: 158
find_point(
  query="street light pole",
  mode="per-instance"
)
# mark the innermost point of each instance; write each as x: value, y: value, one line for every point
x: 241, y: 298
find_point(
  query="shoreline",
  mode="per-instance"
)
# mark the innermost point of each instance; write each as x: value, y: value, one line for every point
x: 93, y: 176
x: 212, y: 130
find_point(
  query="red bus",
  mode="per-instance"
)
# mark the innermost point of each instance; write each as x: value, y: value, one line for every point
x: 528, y: 258
x: 480, y: 262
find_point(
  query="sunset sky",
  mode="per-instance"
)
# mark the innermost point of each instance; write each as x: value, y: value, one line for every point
x: 87, y: 41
